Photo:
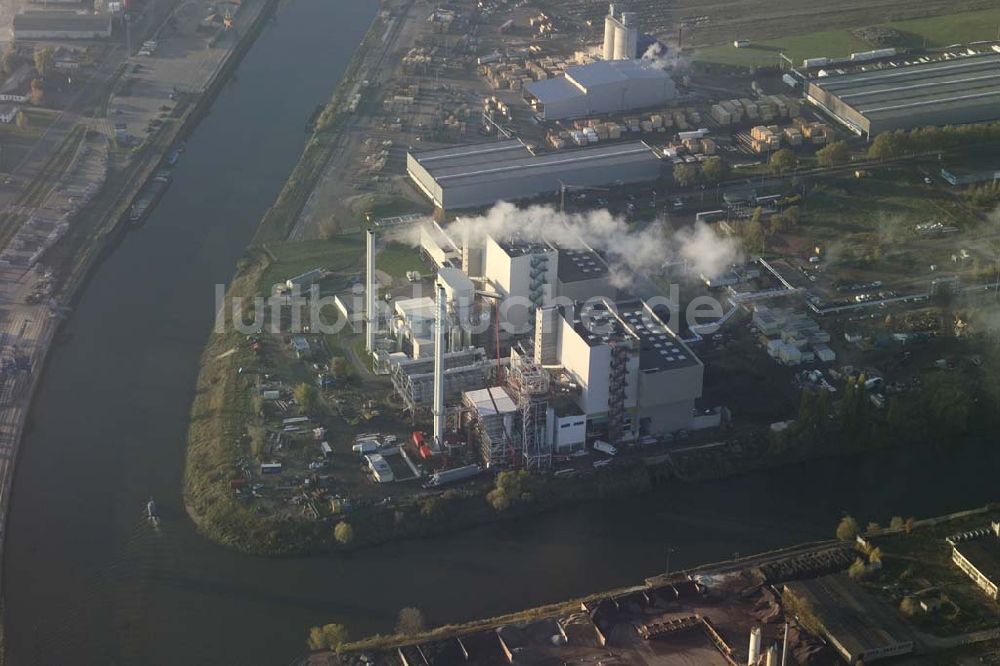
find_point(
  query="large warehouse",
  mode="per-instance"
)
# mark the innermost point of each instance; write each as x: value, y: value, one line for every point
x: 944, y: 92
x: 599, y: 88
x: 472, y: 176
x: 61, y: 24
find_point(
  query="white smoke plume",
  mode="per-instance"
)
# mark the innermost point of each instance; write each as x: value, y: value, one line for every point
x: 626, y: 250
x: 662, y: 58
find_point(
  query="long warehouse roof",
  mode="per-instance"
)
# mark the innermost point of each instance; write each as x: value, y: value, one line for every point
x: 918, y: 88
x: 473, y: 164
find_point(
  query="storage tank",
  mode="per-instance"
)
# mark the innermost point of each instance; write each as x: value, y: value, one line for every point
x: 626, y: 37
x: 772, y: 656
x: 609, y: 34
x: 754, y: 646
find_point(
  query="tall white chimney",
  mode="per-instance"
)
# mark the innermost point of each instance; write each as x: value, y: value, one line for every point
x: 439, y: 333
x: 784, y: 647
x: 370, y: 316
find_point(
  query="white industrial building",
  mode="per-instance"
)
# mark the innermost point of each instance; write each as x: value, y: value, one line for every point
x: 634, y: 374
x: 479, y: 175
x: 614, y: 86
x: 621, y: 35
x: 61, y: 24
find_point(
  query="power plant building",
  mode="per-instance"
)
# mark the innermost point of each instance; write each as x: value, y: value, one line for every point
x: 633, y: 373
x: 599, y: 88
x: 480, y: 175
x: 958, y: 90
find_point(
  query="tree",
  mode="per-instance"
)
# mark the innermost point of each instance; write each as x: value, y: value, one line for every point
x: 857, y: 569
x: 752, y: 232
x: 848, y: 529
x: 410, y: 621
x: 511, y: 488
x: 37, y: 92
x: 785, y: 220
x: 685, y: 175
x: 783, y: 161
x: 885, y: 146
x: 909, y: 524
x: 307, y: 397
x: 9, y: 60
x: 714, y: 170
x: 908, y: 606
x: 343, y: 533
x: 21, y: 121
x: 872, y: 527
x: 896, y: 523
x: 327, y: 637
x: 875, y: 555
x: 339, y: 367
x: 43, y: 61
x: 834, y: 154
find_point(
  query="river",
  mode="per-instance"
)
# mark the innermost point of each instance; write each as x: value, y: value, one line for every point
x: 88, y: 581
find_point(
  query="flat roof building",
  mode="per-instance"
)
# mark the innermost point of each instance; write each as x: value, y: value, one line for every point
x: 474, y: 176
x: 61, y: 24
x: 958, y: 90
x: 979, y: 558
x: 599, y: 88
x: 858, y: 625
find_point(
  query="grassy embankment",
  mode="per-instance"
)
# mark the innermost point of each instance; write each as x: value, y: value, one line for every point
x: 933, y: 32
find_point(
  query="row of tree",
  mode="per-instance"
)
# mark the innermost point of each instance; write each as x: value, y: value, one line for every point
x: 898, y: 143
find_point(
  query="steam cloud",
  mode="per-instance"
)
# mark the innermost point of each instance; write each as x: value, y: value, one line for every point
x: 659, y: 56
x: 627, y: 251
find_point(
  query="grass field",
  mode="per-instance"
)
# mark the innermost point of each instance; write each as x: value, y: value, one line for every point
x: 337, y: 254
x: 931, y: 32
x: 396, y: 259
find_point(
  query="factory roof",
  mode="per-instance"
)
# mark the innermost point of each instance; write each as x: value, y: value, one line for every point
x: 416, y: 308
x: 491, y: 401
x: 908, y: 89
x: 455, y: 280
x: 61, y: 21
x: 659, y: 348
x: 605, y: 72
x: 854, y: 620
x: 632, y: 321
x: 468, y: 155
x: 474, y: 167
x: 517, y: 246
x: 984, y: 555
x: 577, y: 264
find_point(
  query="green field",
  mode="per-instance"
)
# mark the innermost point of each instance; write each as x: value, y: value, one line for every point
x: 340, y: 253
x: 931, y: 32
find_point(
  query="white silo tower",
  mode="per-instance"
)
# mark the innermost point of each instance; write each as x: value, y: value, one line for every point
x: 755, y: 635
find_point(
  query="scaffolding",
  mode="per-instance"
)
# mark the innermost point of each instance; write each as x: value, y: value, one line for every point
x: 413, y: 379
x: 494, y: 412
x: 617, y: 386
x: 529, y: 384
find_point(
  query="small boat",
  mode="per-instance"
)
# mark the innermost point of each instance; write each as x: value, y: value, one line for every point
x: 151, y: 509
x: 148, y: 196
x: 174, y: 156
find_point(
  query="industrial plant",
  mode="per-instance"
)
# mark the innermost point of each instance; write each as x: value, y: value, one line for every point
x: 528, y: 350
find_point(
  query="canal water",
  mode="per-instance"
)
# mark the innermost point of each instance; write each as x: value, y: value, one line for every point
x: 89, y: 582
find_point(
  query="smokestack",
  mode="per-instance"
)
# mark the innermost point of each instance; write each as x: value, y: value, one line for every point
x: 370, y: 316
x: 439, y: 331
x: 754, y: 647
x: 784, y: 647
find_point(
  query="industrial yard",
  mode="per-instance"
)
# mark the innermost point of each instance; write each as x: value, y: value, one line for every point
x: 528, y: 185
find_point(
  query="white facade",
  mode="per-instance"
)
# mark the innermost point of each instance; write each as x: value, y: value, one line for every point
x: 567, y: 433
x: 599, y: 88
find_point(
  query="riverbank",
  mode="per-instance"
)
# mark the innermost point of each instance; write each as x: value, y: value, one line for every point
x: 95, y: 232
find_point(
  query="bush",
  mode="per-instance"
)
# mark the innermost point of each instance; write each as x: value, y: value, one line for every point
x: 410, y: 622
x: 327, y: 637
x: 343, y: 533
